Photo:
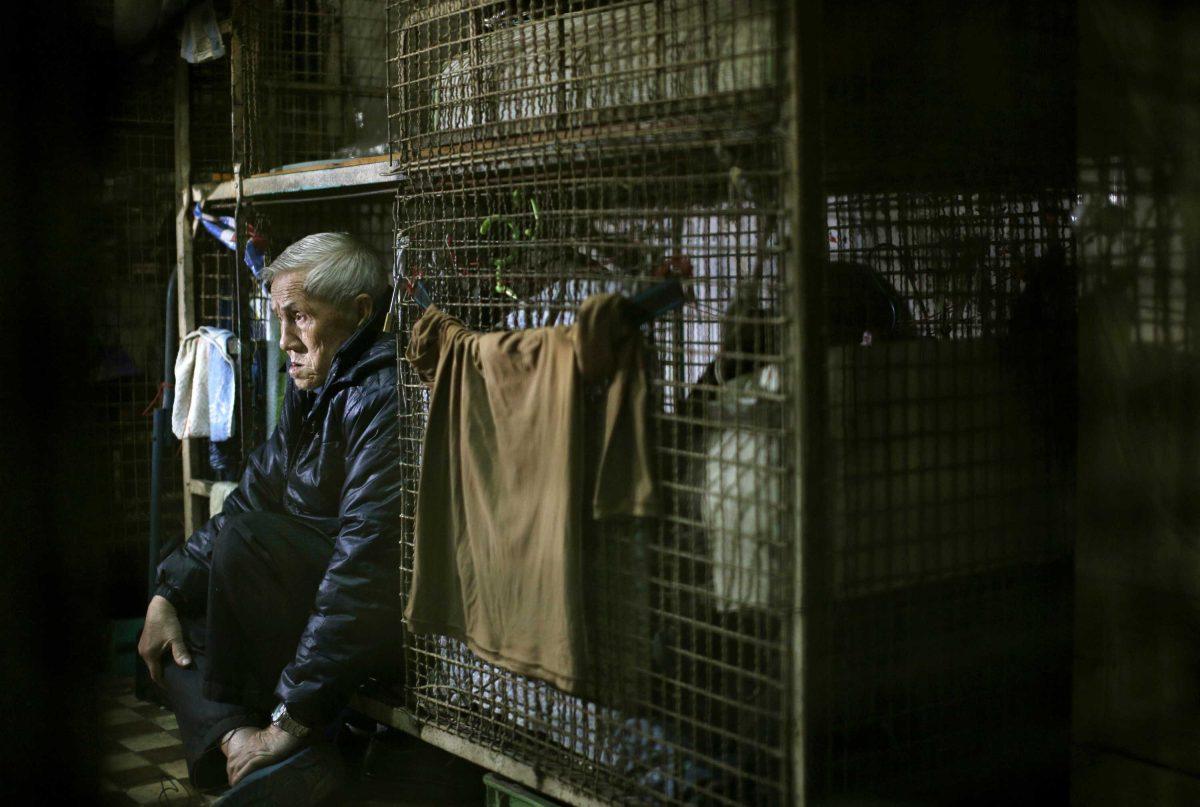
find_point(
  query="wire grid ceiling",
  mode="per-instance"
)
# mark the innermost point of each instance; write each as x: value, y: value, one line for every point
x: 314, y: 81
x: 554, y: 151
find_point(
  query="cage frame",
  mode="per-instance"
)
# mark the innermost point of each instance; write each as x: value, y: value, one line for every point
x: 810, y: 617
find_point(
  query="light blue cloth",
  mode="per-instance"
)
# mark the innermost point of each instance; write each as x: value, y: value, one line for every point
x: 205, y: 385
x: 221, y: 384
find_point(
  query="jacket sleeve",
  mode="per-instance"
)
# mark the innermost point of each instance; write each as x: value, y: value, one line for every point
x: 183, y: 575
x: 356, y: 613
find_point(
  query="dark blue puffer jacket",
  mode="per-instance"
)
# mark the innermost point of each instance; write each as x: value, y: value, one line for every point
x: 333, y: 462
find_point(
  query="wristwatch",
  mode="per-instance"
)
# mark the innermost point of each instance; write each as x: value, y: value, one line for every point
x: 281, y: 719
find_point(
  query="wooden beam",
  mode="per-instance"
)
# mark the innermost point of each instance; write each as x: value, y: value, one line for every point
x: 359, y: 173
x: 184, y: 261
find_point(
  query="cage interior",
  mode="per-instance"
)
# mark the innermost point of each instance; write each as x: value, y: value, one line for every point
x: 556, y: 151
x: 313, y: 82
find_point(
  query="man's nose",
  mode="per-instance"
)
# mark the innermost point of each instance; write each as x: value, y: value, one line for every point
x: 288, y: 338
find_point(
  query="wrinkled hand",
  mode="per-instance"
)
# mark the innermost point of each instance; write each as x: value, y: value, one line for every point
x: 162, y: 632
x: 251, y: 749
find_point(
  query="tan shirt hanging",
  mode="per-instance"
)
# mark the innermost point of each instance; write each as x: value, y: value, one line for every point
x: 501, y: 507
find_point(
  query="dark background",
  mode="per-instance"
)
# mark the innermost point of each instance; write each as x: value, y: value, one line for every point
x: 60, y: 75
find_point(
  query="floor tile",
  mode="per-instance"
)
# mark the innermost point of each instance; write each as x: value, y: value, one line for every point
x: 132, y: 777
x: 132, y: 729
x: 119, y: 716
x: 177, y: 769
x: 167, y: 721
x: 150, y: 710
x: 161, y: 756
x: 163, y: 790
x: 144, y: 742
x: 122, y: 762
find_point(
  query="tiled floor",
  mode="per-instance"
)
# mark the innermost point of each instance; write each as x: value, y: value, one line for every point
x: 141, y: 753
x: 142, y: 763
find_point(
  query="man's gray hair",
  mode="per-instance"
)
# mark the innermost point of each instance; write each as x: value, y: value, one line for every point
x: 339, y: 267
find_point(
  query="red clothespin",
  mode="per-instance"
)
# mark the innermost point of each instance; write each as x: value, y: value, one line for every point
x: 674, y: 265
x: 410, y: 286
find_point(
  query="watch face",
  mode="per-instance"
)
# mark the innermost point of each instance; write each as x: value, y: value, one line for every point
x: 280, y: 711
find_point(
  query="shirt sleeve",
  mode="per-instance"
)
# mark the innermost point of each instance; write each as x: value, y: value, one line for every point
x: 357, y: 602
x: 608, y: 350
x: 433, y: 331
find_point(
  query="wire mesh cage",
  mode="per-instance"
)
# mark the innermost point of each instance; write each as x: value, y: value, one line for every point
x: 555, y: 150
x: 943, y: 650
x: 133, y: 226
x: 210, y: 138
x: 367, y: 216
x: 552, y: 151
x: 313, y: 81
x: 951, y: 417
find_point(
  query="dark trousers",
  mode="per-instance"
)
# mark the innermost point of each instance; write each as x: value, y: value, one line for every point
x: 266, y: 568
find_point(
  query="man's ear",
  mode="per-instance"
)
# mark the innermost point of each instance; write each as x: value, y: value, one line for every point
x: 364, y: 306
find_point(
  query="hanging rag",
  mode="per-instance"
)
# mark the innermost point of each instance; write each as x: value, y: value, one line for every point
x: 509, y: 478
x: 200, y: 37
x: 741, y: 502
x: 224, y: 229
x: 204, y: 386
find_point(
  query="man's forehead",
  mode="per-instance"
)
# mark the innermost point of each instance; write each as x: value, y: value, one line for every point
x: 288, y: 289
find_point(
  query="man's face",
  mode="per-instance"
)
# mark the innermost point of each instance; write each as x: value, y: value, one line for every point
x: 310, y: 331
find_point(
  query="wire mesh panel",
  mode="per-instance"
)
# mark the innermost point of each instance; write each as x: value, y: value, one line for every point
x: 952, y: 420
x: 211, y: 135
x: 951, y: 289
x: 314, y: 81
x: 367, y: 217
x: 1138, y: 221
x: 557, y: 150
x: 134, y: 228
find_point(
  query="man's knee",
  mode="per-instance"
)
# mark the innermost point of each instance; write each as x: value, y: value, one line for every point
x: 235, y: 544
x: 258, y: 539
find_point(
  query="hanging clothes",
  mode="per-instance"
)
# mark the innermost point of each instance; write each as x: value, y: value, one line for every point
x: 205, y: 386
x: 741, y: 484
x: 504, y: 492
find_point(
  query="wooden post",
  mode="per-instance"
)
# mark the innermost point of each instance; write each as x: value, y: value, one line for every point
x: 184, y: 265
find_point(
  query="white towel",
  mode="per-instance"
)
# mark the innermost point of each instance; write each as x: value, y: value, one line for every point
x: 204, y: 393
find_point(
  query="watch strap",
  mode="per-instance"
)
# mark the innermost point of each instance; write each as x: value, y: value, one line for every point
x: 282, y: 720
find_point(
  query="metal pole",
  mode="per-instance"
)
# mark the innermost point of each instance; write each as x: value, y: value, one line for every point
x: 807, y: 353
x: 273, y: 366
x: 161, y: 438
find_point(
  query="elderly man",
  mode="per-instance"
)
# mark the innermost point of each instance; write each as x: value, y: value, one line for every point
x: 285, y: 601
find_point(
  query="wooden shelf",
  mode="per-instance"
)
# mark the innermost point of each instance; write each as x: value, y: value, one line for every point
x: 359, y: 173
